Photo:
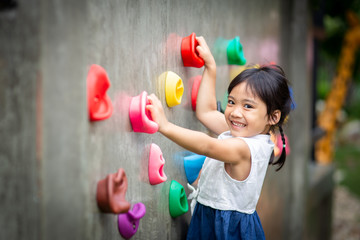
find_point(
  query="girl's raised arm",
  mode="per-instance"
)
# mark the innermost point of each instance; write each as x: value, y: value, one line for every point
x: 206, y: 108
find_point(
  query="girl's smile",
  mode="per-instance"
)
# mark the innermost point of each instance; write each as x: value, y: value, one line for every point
x: 238, y: 124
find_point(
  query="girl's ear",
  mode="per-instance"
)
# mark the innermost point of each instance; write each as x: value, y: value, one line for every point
x: 275, y: 117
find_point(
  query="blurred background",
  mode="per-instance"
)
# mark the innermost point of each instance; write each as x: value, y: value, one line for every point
x: 330, y: 28
x: 52, y: 155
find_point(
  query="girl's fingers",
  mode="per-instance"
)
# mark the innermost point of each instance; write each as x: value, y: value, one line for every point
x: 152, y: 98
x: 154, y: 101
x: 199, y: 49
x: 201, y: 41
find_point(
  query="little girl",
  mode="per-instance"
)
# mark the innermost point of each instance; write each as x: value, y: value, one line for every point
x: 234, y: 170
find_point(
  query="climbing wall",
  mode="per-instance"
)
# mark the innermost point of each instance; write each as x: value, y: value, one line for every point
x: 55, y: 155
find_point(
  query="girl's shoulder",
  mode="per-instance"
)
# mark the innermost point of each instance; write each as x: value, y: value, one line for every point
x: 261, y: 146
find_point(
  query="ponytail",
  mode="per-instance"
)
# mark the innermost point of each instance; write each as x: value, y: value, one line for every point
x: 282, y: 157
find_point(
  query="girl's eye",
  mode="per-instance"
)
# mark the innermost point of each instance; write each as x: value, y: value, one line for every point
x: 231, y: 102
x: 247, y: 106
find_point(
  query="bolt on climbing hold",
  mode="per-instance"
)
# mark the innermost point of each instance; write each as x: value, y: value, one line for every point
x: 128, y: 223
x: 140, y: 117
x: 194, y: 91
x: 178, y: 204
x: 174, y: 88
x: 156, y: 165
x: 111, y: 191
x: 189, y: 54
x: 279, y: 145
x: 192, y: 165
x: 99, y: 103
x: 235, y: 52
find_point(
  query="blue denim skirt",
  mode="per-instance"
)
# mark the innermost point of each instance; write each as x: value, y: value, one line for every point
x: 208, y: 223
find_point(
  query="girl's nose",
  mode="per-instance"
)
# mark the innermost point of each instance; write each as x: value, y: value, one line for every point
x: 237, y: 113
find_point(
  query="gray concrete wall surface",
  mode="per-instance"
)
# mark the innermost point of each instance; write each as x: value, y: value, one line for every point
x: 52, y: 156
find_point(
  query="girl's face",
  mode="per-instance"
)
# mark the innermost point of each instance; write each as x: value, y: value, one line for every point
x: 245, y: 114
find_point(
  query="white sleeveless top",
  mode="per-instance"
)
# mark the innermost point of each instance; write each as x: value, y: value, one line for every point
x: 219, y: 191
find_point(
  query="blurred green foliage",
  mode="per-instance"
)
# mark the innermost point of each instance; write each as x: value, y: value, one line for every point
x: 352, y: 108
x: 347, y: 161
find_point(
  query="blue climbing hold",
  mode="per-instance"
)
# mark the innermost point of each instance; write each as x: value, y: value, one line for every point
x: 293, y: 103
x: 193, y: 164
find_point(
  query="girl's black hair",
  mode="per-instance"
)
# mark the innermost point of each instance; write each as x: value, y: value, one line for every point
x: 269, y: 83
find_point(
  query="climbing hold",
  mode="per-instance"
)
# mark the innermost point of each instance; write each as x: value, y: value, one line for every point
x: 195, y: 89
x: 279, y: 146
x: 156, y: 165
x: 174, y: 88
x: 99, y: 103
x: 140, y: 117
x: 128, y: 223
x: 235, y: 52
x: 224, y: 101
x: 189, y: 54
x: 192, y: 165
x: 293, y: 103
x: 218, y: 107
x: 111, y: 191
x: 178, y: 204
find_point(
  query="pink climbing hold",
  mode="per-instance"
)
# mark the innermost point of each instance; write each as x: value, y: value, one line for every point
x: 140, y: 118
x: 156, y: 165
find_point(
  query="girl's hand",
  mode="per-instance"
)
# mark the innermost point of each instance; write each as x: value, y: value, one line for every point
x: 205, y: 53
x: 157, y: 112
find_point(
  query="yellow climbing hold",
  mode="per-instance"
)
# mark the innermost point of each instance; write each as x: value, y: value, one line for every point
x: 174, y: 89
